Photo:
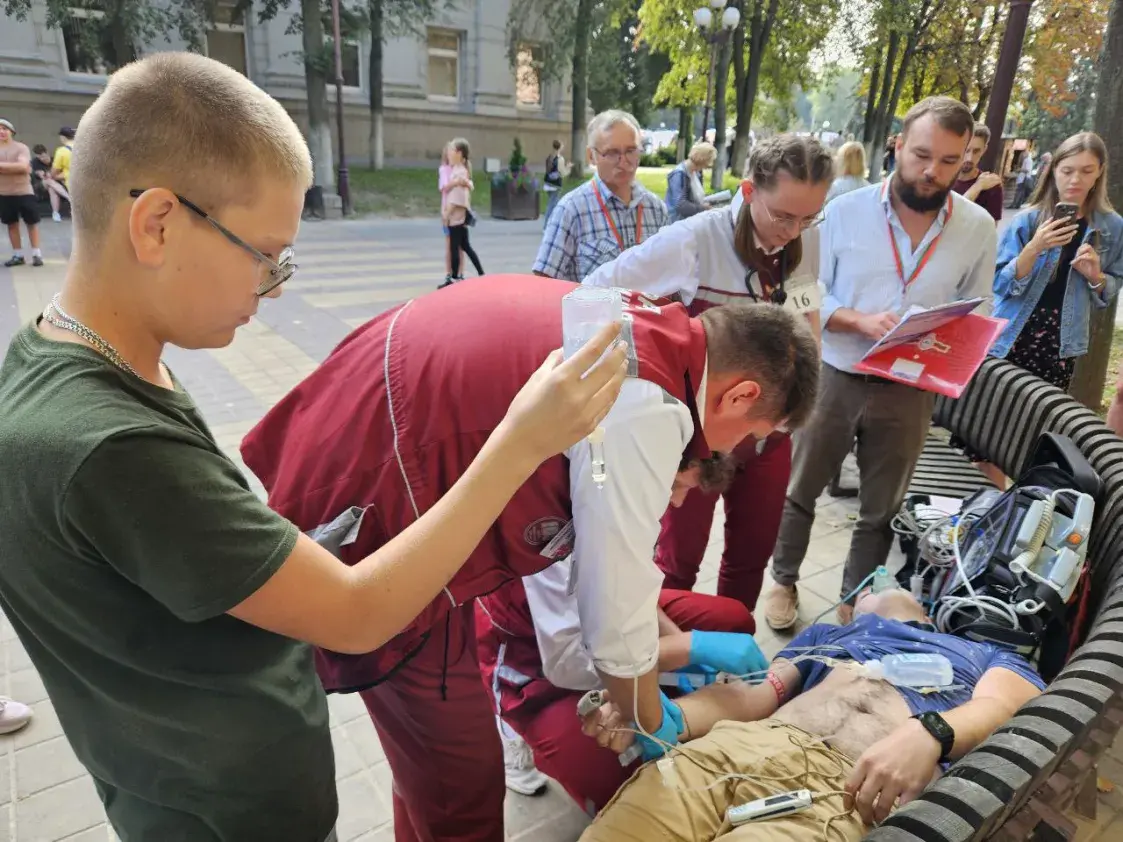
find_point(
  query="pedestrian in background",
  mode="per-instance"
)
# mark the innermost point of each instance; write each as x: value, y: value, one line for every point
x: 1055, y: 269
x: 17, y: 196
x: 46, y: 186
x: 609, y: 213
x: 890, y: 162
x: 1023, y: 182
x: 444, y: 184
x: 60, y: 166
x: 556, y: 171
x: 686, y: 196
x: 849, y: 170
x: 457, y: 212
x: 982, y: 188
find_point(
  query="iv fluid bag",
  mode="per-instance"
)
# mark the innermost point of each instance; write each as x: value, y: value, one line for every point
x: 919, y: 669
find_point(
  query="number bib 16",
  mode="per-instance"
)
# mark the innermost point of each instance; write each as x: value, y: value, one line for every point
x: 803, y: 298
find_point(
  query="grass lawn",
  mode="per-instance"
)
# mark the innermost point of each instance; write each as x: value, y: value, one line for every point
x: 413, y: 191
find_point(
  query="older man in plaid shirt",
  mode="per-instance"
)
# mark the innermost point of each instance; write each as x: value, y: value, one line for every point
x: 608, y: 214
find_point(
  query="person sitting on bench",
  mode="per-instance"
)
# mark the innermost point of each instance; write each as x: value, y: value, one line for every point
x: 861, y: 746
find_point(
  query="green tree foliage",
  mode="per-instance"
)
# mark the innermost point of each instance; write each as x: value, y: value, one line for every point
x: 564, y: 29
x: 1048, y: 128
x: 117, y: 29
x: 623, y: 71
x: 769, y: 53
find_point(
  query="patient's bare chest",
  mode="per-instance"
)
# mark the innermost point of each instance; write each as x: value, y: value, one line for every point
x: 853, y: 712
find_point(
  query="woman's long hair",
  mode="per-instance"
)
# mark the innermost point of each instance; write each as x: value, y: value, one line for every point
x: 803, y: 158
x: 1046, y: 195
x: 851, y: 160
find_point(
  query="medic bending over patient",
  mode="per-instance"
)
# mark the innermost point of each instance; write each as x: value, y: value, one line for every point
x: 861, y: 746
x: 752, y: 252
x: 376, y: 435
x: 533, y: 657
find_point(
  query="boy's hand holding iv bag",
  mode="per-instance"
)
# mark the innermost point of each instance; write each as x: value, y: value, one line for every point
x: 564, y: 401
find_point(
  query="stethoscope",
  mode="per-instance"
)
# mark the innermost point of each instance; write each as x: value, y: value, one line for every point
x: 778, y: 295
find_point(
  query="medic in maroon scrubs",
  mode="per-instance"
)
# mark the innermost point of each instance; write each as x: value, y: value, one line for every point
x: 382, y: 429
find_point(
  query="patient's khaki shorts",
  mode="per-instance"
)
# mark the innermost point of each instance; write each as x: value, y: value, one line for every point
x: 646, y: 809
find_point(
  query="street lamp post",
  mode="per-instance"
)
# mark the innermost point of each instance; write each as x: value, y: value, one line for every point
x: 715, y: 32
x: 344, y: 176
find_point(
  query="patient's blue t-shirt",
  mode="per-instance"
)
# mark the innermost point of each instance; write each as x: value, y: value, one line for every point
x: 871, y: 637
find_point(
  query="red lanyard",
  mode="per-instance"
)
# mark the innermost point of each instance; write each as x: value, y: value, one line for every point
x: 612, y: 224
x: 924, y: 258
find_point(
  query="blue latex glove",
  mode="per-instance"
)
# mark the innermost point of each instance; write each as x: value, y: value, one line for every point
x: 726, y: 651
x: 692, y: 678
x: 667, y: 731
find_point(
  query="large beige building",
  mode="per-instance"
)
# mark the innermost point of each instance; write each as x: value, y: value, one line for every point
x: 452, y: 79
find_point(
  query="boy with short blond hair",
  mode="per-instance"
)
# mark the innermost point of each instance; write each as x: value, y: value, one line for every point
x: 161, y: 601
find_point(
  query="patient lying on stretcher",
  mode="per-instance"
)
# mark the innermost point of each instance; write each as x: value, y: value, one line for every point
x: 854, y: 742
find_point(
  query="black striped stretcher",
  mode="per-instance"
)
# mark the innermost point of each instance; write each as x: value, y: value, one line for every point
x: 1017, y: 784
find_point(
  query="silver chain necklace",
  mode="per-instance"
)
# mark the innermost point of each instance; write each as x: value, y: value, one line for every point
x: 55, y: 315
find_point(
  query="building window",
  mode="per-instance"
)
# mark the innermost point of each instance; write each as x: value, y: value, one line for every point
x: 226, y: 40
x: 528, y: 76
x: 350, y: 49
x: 444, y: 65
x: 89, y: 44
x: 351, y: 58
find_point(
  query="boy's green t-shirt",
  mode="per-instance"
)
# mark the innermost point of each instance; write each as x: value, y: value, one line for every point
x: 125, y: 537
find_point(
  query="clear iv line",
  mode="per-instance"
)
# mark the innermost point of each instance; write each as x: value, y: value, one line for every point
x: 596, y: 456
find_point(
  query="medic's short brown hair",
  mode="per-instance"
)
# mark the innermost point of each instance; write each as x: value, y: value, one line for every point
x: 186, y: 123
x: 771, y: 346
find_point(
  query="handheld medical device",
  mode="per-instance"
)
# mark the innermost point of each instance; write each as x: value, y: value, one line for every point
x: 591, y: 702
x: 770, y: 807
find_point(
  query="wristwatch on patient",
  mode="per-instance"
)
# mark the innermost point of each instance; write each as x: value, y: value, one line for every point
x: 941, y: 732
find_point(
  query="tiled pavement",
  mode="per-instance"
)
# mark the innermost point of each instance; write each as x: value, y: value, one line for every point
x: 350, y: 271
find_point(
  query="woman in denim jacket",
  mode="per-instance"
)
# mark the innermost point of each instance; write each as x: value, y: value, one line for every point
x: 1051, y: 272
x: 685, y: 194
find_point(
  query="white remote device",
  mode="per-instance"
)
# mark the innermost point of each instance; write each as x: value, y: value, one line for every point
x: 770, y: 807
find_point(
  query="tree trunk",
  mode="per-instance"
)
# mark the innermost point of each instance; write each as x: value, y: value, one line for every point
x: 871, y: 101
x: 721, y: 87
x: 875, y: 150
x: 1091, y: 369
x: 580, y: 86
x: 685, y: 131
x: 760, y: 32
x: 377, y: 105
x: 319, y: 126
x: 120, y: 39
x: 741, y: 130
x: 981, y: 107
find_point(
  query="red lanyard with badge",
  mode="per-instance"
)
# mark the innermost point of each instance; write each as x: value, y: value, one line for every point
x: 612, y: 223
x: 924, y: 258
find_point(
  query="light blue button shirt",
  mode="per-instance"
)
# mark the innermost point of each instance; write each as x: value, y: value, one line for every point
x: 857, y: 268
